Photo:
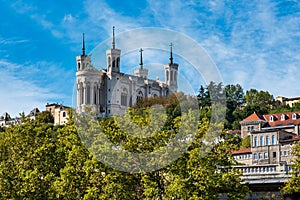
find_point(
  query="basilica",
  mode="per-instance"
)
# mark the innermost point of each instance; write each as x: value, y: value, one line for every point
x: 109, y: 91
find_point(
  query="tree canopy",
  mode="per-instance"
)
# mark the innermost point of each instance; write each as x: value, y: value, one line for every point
x: 41, y: 161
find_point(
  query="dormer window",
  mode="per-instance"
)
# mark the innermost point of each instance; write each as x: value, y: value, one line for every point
x: 271, y: 119
x: 282, y: 117
x: 294, y: 116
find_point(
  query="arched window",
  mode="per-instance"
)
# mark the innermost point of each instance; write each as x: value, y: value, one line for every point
x: 109, y: 60
x: 167, y: 75
x: 88, y: 94
x: 124, y: 97
x: 139, y: 95
x: 113, y: 62
x: 78, y: 66
x: 267, y: 140
x: 271, y: 119
x: 64, y: 114
x: 261, y: 141
x: 255, y: 156
x: 294, y: 116
x: 118, y: 62
x: 95, y: 95
x: 273, y: 140
x: 255, y: 141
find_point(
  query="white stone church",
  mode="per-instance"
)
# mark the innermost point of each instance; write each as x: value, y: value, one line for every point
x: 111, y: 92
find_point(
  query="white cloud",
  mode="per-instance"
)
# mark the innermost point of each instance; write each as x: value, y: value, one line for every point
x: 20, y: 93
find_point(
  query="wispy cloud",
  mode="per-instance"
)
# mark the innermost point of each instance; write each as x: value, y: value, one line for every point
x: 20, y: 91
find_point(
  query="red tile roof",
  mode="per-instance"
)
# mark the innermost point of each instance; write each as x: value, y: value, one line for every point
x: 254, y: 117
x: 288, y: 119
x: 241, y: 151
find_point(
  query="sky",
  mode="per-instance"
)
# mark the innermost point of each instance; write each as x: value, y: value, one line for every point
x: 252, y: 43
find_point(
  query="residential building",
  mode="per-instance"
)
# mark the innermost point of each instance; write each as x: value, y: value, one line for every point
x: 272, y: 137
x: 285, y: 101
x: 59, y: 112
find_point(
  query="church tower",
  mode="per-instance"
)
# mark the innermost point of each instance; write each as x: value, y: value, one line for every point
x: 113, y: 57
x: 141, y: 71
x: 88, y: 82
x: 171, y: 72
x: 83, y: 60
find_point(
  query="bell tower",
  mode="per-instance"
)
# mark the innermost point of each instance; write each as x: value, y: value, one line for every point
x: 171, y: 72
x: 113, y: 57
x: 83, y: 60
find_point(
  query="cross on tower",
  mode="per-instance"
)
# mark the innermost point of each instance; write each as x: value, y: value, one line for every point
x: 141, y: 58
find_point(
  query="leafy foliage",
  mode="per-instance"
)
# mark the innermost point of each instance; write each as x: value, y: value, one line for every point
x: 41, y: 161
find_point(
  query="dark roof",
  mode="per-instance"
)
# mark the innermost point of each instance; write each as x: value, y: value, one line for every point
x: 34, y: 112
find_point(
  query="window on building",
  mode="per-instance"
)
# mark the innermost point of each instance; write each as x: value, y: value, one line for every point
x: 88, y: 94
x: 255, y: 141
x: 261, y: 141
x: 260, y: 155
x: 124, y: 97
x: 294, y: 116
x: 273, y: 140
x: 271, y: 118
x: 139, y: 95
x: 64, y: 114
x: 284, y: 153
x: 274, y: 154
x: 282, y: 117
x: 280, y: 153
x: 265, y: 155
x: 267, y: 140
x: 255, y: 156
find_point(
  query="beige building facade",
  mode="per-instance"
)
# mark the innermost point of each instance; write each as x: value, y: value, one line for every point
x: 272, y: 137
x: 280, y: 100
x: 59, y: 113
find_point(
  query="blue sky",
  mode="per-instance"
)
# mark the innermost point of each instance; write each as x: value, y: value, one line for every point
x: 253, y: 43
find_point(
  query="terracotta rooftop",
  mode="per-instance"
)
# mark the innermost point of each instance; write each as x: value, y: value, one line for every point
x: 254, y: 117
x: 241, y: 151
x: 283, y: 119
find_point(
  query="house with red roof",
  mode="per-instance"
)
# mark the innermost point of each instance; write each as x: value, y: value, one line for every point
x: 272, y: 137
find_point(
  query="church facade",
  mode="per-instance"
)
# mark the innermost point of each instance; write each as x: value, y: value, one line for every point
x: 109, y: 91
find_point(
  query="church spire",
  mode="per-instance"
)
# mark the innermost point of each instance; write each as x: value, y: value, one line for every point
x: 171, y: 54
x: 141, y: 58
x: 83, y: 45
x: 113, y: 42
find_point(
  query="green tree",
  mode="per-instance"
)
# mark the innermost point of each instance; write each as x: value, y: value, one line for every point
x: 261, y: 98
x: 293, y: 185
